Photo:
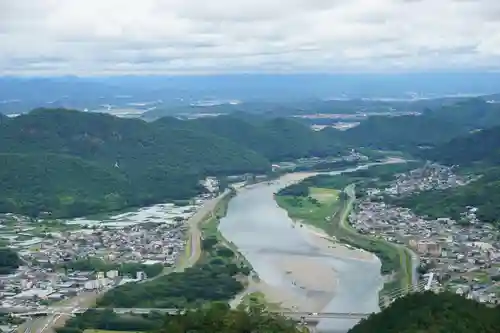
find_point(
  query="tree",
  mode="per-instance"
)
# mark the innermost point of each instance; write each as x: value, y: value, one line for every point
x: 9, y: 261
x: 220, y: 318
x: 432, y: 313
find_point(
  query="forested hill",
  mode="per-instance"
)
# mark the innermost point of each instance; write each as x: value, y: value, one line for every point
x: 74, y: 163
x: 431, y: 313
x: 432, y: 128
x: 478, y: 147
x: 399, y: 133
x: 277, y: 139
x: 474, y: 113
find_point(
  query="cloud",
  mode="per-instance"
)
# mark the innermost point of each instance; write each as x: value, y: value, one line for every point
x: 88, y: 37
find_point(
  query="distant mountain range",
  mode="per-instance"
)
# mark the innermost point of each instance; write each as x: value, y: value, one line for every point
x: 259, y: 93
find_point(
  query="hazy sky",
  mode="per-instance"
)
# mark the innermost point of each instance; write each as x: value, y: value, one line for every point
x: 183, y: 36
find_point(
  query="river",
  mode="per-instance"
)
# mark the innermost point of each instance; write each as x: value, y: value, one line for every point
x: 262, y: 232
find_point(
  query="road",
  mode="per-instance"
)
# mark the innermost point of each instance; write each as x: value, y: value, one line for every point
x: 46, y: 324
x: 195, y: 231
x: 290, y: 314
x: 404, y: 251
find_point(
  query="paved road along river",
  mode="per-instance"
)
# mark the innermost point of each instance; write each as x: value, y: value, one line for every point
x: 262, y: 231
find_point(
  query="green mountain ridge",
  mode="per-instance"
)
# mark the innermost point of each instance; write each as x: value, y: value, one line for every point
x: 73, y: 163
x: 57, y: 183
x: 398, y: 133
x: 472, y: 113
x: 277, y: 139
x: 477, y: 147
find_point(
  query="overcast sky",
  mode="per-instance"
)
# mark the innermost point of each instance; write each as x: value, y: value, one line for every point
x: 217, y: 36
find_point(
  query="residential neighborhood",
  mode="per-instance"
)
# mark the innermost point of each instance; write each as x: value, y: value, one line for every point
x: 464, y: 258
x: 154, y: 235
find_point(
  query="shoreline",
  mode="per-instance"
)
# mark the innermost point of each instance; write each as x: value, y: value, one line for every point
x: 308, y: 285
x: 316, y: 281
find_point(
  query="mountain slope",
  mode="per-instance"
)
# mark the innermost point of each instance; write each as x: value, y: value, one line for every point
x: 277, y: 139
x: 64, y: 185
x: 432, y: 313
x: 474, y: 113
x: 131, y: 143
x: 140, y: 162
x: 398, y: 133
x: 478, y: 147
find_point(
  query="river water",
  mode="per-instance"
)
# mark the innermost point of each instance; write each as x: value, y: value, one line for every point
x: 262, y: 231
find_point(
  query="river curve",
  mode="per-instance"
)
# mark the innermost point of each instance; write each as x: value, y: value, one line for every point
x: 262, y: 232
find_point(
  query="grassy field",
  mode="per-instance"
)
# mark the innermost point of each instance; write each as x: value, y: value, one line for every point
x: 327, y: 209
x: 315, y: 209
x: 324, y: 195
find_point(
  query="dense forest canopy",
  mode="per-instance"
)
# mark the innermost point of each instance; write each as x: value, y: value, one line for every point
x: 404, y: 133
x: 416, y: 313
x: 72, y: 163
x: 479, y: 147
x: 431, y: 128
x: 472, y: 113
x: 277, y: 139
x: 217, y: 317
x: 432, y: 313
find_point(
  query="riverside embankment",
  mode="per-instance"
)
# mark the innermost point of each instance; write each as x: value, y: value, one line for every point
x: 299, y: 268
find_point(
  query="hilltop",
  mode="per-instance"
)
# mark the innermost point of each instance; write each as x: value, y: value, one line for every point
x: 431, y: 313
x: 477, y: 147
x: 277, y: 139
x: 53, y: 160
x: 472, y: 114
x: 398, y: 133
x: 72, y: 163
x: 432, y: 128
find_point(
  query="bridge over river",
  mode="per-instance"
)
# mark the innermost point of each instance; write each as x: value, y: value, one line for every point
x: 295, y: 315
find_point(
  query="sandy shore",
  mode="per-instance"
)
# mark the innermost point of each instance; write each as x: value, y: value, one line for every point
x: 316, y: 282
x: 329, y: 244
x: 312, y: 283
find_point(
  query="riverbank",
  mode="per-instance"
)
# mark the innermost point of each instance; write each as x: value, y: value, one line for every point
x: 304, y: 206
x: 397, y: 256
x: 331, y: 218
x: 300, y: 277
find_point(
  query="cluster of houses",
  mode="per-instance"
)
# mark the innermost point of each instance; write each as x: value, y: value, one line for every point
x: 150, y: 235
x: 464, y: 258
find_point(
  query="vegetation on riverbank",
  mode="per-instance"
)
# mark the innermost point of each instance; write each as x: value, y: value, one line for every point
x: 215, y: 317
x: 218, y: 266
x: 95, y: 264
x: 315, y: 205
x: 332, y: 218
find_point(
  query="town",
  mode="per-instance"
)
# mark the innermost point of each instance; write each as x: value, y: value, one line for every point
x: 64, y: 259
x: 465, y: 257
